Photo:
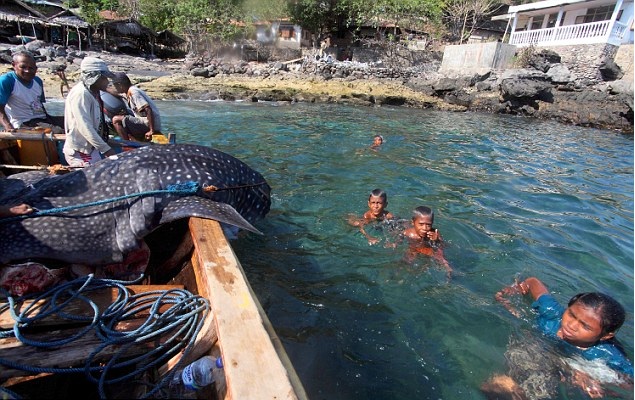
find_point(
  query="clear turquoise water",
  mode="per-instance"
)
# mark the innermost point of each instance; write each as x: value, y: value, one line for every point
x: 513, y: 197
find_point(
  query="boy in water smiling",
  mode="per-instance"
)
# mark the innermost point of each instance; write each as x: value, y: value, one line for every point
x: 377, y: 202
x: 587, y: 327
x: 423, y: 238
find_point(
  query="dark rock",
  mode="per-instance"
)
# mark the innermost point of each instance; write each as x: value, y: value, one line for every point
x: 459, y: 98
x: 527, y: 90
x: 204, y: 72
x: 610, y: 71
x: 543, y: 60
x: 483, y: 86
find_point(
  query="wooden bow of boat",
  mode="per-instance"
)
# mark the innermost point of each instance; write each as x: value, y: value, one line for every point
x: 256, y: 365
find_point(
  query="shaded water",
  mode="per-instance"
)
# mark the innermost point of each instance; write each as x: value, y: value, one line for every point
x: 513, y: 198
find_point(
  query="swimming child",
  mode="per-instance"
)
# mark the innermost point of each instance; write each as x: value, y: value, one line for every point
x: 587, y: 328
x: 377, y: 202
x: 423, y: 238
x: 378, y: 140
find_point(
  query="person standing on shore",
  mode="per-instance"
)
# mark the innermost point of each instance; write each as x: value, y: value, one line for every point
x: 147, y: 119
x: 22, y: 96
x: 86, y: 130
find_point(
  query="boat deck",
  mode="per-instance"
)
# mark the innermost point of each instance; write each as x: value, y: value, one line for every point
x: 255, y: 363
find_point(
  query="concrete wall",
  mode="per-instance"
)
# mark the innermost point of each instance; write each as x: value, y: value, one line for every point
x: 477, y: 58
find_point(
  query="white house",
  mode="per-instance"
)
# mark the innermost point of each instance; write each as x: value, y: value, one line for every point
x: 570, y: 22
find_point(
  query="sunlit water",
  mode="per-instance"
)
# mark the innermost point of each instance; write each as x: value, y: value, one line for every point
x: 513, y: 198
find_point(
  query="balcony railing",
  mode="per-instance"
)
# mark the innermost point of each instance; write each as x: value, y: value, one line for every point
x: 592, y: 32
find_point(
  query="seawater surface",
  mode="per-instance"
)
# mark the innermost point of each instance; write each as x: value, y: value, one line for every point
x: 513, y: 198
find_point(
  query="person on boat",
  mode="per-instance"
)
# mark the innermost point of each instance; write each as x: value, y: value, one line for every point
x: 86, y: 130
x: 22, y: 97
x: 146, y: 120
x: 60, y: 71
x: 377, y: 202
x: 20, y: 209
x: 424, y: 238
x: 584, y: 330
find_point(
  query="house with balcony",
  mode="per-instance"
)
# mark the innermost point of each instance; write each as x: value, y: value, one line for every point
x: 570, y: 22
x: 584, y: 33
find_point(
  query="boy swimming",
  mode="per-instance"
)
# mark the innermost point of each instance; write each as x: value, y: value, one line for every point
x: 377, y: 202
x: 586, y: 327
x: 423, y: 238
x: 378, y: 140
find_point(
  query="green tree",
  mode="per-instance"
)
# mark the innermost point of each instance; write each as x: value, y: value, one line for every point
x: 318, y: 16
x: 89, y: 9
x: 264, y: 10
x: 411, y: 14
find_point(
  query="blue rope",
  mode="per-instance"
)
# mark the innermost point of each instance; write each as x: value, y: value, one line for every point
x: 168, y: 332
x: 185, y: 189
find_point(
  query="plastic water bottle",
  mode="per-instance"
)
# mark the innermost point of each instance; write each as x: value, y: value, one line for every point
x: 199, y: 374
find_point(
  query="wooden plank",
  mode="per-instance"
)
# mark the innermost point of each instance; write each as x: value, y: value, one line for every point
x: 73, y: 354
x: 253, y: 368
x: 102, y: 297
x: 206, y: 338
x: 31, y: 135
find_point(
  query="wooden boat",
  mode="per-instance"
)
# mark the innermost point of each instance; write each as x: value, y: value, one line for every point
x: 191, y: 254
x: 29, y: 149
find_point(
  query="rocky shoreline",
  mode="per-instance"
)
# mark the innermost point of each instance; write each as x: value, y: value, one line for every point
x: 547, y: 93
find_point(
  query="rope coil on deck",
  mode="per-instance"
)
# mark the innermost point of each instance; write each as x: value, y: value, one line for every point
x: 169, y: 332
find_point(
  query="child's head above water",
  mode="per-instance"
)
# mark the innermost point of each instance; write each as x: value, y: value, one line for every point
x: 609, y: 313
x: 423, y: 211
x: 377, y: 202
x: 378, y: 140
x: 378, y: 193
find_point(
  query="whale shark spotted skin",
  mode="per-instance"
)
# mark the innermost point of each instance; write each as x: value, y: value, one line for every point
x: 105, y: 233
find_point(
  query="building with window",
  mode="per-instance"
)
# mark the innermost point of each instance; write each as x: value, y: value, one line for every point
x: 570, y: 22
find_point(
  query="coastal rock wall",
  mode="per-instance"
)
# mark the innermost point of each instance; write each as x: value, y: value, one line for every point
x: 584, y: 61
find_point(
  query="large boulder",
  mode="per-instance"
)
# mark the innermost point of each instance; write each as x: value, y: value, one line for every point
x: 544, y: 60
x: 610, y: 71
x: 525, y: 86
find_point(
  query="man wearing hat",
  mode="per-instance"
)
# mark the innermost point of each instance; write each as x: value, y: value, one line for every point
x: 146, y: 120
x: 86, y: 130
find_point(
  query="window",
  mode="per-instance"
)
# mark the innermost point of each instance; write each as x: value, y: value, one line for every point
x: 537, y: 22
x: 286, y: 32
x: 598, y: 14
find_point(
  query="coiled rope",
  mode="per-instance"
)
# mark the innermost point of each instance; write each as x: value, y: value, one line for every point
x: 168, y: 332
x: 184, y: 189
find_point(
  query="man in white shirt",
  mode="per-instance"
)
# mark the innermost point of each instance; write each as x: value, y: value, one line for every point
x: 86, y: 130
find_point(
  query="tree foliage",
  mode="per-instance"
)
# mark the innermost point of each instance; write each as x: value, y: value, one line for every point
x: 409, y: 14
x: 318, y: 16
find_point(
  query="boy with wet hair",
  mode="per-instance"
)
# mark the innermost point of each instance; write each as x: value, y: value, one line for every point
x: 377, y: 202
x: 424, y: 238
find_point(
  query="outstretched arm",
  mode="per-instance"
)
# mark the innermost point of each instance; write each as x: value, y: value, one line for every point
x: 530, y: 285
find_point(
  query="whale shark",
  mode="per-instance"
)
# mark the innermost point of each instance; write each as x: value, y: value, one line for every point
x: 99, y: 214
